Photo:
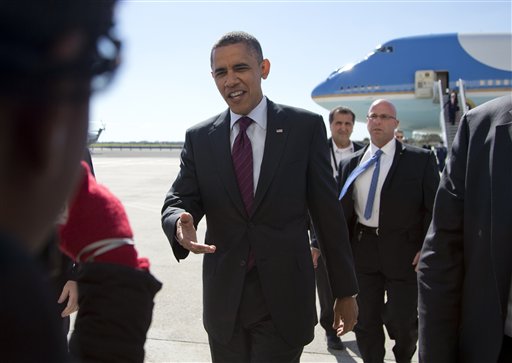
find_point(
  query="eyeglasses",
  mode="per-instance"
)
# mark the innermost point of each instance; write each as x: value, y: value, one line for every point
x: 98, y: 64
x: 383, y: 117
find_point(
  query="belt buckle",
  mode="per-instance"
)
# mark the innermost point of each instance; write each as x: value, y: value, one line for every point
x: 377, y: 231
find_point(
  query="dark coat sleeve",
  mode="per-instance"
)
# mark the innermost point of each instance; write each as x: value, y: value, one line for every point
x: 328, y: 219
x: 116, y: 307
x: 184, y: 195
x: 441, y: 264
x: 430, y: 186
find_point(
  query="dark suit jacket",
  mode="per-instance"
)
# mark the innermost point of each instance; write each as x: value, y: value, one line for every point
x: 465, y: 267
x: 357, y: 147
x: 295, y: 177
x: 406, y: 202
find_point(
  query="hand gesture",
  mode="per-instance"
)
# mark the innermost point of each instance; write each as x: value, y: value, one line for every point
x: 187, y: 237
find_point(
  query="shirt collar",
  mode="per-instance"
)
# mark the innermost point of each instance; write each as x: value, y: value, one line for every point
x: 337, y: 149
x: 258, y: 114
x: 388, y: 149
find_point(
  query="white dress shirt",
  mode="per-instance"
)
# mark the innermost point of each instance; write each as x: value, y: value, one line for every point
x: 338, y: 154
x: 256, y: 132
x: 363, y: 181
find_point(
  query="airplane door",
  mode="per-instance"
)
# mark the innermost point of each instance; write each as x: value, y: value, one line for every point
x: 443, y: 77
x: 424, y: 84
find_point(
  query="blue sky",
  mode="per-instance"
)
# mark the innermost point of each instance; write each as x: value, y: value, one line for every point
x: 164, y: 85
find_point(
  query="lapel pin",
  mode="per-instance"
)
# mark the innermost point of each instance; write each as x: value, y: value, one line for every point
x: 279, y: 131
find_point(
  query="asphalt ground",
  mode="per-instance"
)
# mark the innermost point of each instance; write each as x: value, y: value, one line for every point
x: 140, y: 179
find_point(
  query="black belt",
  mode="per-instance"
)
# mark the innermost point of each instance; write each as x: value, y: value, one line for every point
x: 368, y: 230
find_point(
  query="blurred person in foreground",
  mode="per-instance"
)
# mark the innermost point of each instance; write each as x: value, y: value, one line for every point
x: 465, y: 301
x: 49, y: 62
x: 254, y: 171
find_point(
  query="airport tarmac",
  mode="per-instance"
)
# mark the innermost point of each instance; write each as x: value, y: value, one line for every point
x: 141, y: 178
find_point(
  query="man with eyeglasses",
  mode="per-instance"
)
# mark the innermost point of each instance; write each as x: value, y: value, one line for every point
x: 50, y: 64
x: 387, y: 196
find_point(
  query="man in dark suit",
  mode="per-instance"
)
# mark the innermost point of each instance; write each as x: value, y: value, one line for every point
x: 258, y: 276
x: 388, y: 209
x: 465, y: 306
x: 341, y: 121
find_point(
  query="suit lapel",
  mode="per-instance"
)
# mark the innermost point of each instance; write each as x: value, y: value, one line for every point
x: 399, y: 150
x: 278, y: 130
x: 501, y: 197
x: 221, y: 147
x: 353, y: 163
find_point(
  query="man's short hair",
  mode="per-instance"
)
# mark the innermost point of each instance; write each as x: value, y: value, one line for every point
x: 30, y: 28
x: 239, y: 37
x: 343, y: 111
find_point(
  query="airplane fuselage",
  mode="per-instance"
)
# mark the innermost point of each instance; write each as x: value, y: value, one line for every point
x: 404, y: 71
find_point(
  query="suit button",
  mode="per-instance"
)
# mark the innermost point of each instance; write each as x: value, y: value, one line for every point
x: 242, y: 263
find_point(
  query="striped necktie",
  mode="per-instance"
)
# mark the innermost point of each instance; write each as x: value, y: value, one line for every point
x: 242, y: 161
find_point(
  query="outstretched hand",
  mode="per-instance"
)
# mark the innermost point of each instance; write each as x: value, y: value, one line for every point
x: 187, y: 237
x: 345, y: 315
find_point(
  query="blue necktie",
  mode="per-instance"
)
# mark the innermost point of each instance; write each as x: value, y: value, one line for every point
x: 373, y: 186
x: 375, y: 159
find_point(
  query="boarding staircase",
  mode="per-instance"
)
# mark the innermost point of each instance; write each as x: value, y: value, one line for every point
x: 449, y: 130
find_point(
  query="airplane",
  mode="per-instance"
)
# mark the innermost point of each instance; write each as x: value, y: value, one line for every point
x: 406, y: 70
x: 93, y: 136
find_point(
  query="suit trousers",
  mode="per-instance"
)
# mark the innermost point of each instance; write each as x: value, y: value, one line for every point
x: 255, y: 338
x: 383, y: 300
x: 325, y: 298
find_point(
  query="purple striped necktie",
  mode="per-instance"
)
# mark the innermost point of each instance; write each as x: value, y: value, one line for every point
x: 242, y: 161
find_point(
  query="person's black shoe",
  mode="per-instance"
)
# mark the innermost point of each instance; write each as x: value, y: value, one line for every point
x: 334, y: 342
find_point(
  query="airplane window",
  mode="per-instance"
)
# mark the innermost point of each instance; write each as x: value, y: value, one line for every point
x: 506, y: 82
